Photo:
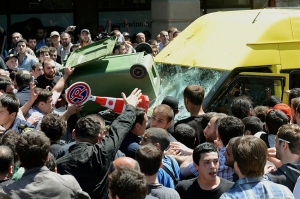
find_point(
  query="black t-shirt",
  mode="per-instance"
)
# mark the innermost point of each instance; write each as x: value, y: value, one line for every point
x: 43, y: 82
x: 190, y: 189
x: 195, y: 123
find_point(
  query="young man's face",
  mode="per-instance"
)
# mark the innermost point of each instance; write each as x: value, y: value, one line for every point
x: 40, y: 33
x: 55, y: 39
x: 229, y: 156
x: 6, y: 117
x: 38, y: 71
x: 84, y: 36
x: 159, y: 120
x: 49, y: 69
x: 210, y: 130
x: 48, y: 41
x: 12, y: 63
x: 47, y: 107
x: 43, y: 56
x: 53, y: 56
x: 32, y: 43
x: 208, y: 166
x: 21, y: 47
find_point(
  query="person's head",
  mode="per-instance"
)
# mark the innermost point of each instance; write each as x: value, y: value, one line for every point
x: 153, y: 42
x: 74, y: 47
x: 176, y: 33
x: 261, y: 112
x: 162, y: 116
x: 252, y: 125
x: 206, y: 161
x: 85, y: 35
x: 6, y: 162
x: 9, y: 107
x: 88, y: 129
x: 185, y: 134
x: 53, y: 126
x: 43, y: 53
x: 33, y: 144
x: 294, y: 92
x: 228, y: 153
x: 241, y: 107
x: 274, y: 120
x: 102, y: 124
x: 172, y: 102
x: 6, y: 86
x: 147, y: 35
x: 171, y: 32
x: 44, y: 101
x: 23, y: 79
x: 32, y: 42
x: 140, y: 124
x: 250, y: 155
x: 210, y: 131
x: 21, y: 46
x: 53, y: 53
x: 295, y: 108
x: 11, y: 61
x: 230, y: 127
x: 51, y: 163
x: 193, y: 96
x: 124, y: 161
x: 48, y: 41
x: 15, y: 37
x: 156, y: 136
x: 287, y: 142
x: 164, y: 37
x: 271, y: 101
x: 49, y: 68
x: 155, y: 50
x: 206, y: 118
x: 140, y: 37
x: 65, y: 39
x: 55, y: 38
x: 37, y: 70
x: 149, y: 158
x: 40, y: 33
x: 126, y: 183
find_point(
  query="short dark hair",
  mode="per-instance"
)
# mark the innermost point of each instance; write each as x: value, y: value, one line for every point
x: 43, y: 96
x: 294, y: 92
x: 6, y: 159
x: 51, y: 163
x: 4, y: 84
x: 194, y: 93
x: 253, y: 124
x: 139, y: 113
x: 230, y: 127
x: 87, y: 127
x: 250, y: 153
x: 53, y: 126
x: 165, y: 109
x: 291, y: 133
x: 205, y: 147
x: 261, y: 112
x: 37, y: 64
x: 33, y: 144
x: 149, y: 158
x: 10, y: 102
x: 241, y: 106
x: 275, y: 119
x: 185, y: 134
x: 159, y: 135
x: 22, y: 41
x: 10, y: 139
x: 23, y: 79
x: 206, y: 118
x: 127, y: 183
x: 271, y: 101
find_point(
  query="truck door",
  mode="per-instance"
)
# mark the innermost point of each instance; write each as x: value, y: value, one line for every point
x: 257, y: 86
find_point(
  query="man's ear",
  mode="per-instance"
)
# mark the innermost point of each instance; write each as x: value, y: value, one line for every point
x: 196, y: 166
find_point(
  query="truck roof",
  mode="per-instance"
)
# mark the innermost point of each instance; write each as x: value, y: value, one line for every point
x: 230, y: 39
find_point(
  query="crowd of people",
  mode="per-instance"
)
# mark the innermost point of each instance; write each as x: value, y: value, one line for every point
x: 253, y: 153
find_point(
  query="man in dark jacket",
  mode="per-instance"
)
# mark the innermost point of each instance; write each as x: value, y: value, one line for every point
x: 89, y: 160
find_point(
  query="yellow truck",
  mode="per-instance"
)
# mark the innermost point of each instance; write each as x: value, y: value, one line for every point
x: 256, y: 51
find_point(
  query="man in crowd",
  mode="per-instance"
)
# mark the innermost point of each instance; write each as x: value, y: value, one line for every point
x: 40, y: 41
x: 25, y: 60
x: 229, y: 157
x: 36, y: 144
x: 23, y: 85
x: 65, y: 46
x: 164, y: 40
x: 11, y: 61
x: 32, y: 43
x: 250, y: 155
x: 55, y: 39
x: 6, y: 86
x: 14, y: 38
x: 6, y: 165
x: 207, y: 184
x: 85, y: 37
x: 241, y: 107
x: 37, y: 70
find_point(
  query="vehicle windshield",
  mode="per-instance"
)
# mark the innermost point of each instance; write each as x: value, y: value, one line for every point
x: 174, y: 79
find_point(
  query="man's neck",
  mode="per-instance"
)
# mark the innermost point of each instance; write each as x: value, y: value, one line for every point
x: 196, y: 110
x: 289, y: 158
x: 208, y: 184
x: 8, y: 125
x: 48, y: 77
x: 21, y: 56
x: 55, y: 45
x: 152, y: 179
x: 165, y: 43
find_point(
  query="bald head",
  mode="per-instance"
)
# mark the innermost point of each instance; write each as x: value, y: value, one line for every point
x: 126, y: 161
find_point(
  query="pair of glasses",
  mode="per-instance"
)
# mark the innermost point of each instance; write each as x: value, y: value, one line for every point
x: 284, y: 140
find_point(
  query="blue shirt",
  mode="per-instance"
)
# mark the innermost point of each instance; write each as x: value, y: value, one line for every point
x: 163, y: 177
x: 27, y: 62
x: 257, y: 187
x: 130, y: 144
x: 41, y: 44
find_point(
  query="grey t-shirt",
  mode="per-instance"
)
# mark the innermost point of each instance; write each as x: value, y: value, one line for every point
x: 162, y: 192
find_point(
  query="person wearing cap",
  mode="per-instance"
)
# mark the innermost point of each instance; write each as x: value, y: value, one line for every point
x: 40, y: 41
x: 126, y: 36
x: 55, y: 39
x: 25, y: 60
x: 11, y: 62
x: 85, y: 37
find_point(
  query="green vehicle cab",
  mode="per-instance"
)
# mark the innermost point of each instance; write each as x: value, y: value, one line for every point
x: 256, y: 52
x: 109, y: 75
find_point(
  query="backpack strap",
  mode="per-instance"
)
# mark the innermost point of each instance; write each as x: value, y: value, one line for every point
x: 169, y: 172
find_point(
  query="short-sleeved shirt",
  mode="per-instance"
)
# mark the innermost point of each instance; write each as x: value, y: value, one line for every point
x: 190, y: 189
x: 43, y: 82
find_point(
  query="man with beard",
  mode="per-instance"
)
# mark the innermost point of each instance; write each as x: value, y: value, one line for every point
x: 65, y: 46
x: 229, y: 157
x: 288, y: 151
x: 85, y: 37
x: 25, y: 60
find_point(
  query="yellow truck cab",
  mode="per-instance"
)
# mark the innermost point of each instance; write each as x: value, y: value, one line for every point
x: 254, y: 51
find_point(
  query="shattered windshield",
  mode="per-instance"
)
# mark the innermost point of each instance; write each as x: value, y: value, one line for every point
x: 174, y: 79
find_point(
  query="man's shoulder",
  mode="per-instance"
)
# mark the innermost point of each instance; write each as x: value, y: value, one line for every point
x: 225, y: 184
x: 185, y: 184
x: 163, y: 192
